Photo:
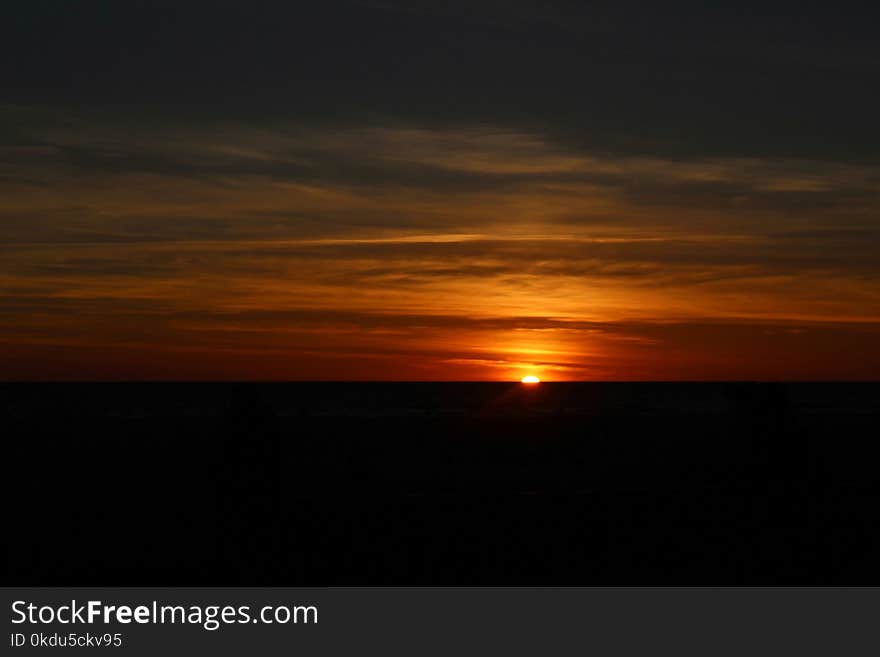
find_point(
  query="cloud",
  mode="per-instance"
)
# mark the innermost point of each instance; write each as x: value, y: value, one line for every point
x: 429, y: 247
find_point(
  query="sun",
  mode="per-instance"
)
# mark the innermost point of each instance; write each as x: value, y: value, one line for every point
x: 531, y: 380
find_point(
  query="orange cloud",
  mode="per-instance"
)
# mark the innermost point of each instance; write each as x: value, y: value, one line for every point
x: 415, y: 253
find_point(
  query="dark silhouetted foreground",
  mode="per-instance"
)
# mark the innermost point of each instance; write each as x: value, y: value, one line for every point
x: 319, y: 484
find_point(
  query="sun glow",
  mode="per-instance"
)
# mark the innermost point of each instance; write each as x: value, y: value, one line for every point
x: 531, y: 380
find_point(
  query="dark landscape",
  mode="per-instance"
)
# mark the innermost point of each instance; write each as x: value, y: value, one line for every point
x: 442, y: 483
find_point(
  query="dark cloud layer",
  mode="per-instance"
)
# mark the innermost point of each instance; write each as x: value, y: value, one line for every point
x: 744, y: 78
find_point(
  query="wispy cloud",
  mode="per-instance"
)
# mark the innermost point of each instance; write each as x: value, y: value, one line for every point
x: 470, y: 251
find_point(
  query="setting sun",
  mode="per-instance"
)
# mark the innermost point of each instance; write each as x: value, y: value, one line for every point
x: 531, y: 379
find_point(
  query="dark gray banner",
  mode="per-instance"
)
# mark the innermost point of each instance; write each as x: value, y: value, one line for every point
x: 443, y: 621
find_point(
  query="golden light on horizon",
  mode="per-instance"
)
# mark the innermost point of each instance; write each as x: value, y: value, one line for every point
x: 530, y: 380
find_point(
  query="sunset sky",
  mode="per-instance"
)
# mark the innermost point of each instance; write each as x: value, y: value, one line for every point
x: 439, y: 191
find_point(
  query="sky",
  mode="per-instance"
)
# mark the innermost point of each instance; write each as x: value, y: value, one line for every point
x: 388, y: 190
